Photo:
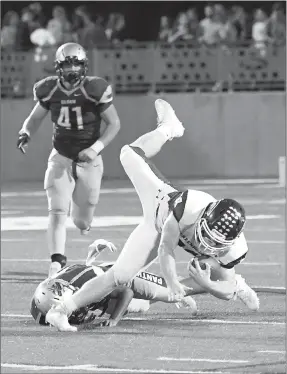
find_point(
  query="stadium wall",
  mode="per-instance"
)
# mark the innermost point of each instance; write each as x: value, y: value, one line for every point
x: 235, y: 135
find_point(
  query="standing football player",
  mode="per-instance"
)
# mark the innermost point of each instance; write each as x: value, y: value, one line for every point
x: 77, y: 104
x: 210, y: 230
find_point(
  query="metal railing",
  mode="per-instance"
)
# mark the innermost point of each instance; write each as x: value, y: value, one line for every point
x: 157, y: 67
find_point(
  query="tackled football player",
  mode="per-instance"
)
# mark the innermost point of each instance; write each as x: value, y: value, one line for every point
x: 210, y: 230
x: 77, y: 104
x: 146, y: 288
x: 137, y: 296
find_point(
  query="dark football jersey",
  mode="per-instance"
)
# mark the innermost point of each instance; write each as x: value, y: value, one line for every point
x: 76, y: 114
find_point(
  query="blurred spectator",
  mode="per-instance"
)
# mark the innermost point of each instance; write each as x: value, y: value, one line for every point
x: 39, y: 19
x: 88, y: 34
x: 276, y: 27
x: 9, y: 30
x: 209, y: 28
x: 238, y: 20
x: 192, y: 24
x: 180, y: 29
x: 25, y: 28
x: 164, y: 29
x: 42, y: 38
x: 115, y: 26
x: 59, y: 26
x: 226, y: 32
x: 259, y: 31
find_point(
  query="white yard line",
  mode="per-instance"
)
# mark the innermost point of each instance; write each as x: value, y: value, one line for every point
x: 275, y: 352
x: 96, y: 369
x: 189, y: 359
x: 211, y: 321
x: 37, y: 223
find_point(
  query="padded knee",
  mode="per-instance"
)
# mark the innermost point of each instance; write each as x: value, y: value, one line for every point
x: 57, y: 216
x: 124, y: 154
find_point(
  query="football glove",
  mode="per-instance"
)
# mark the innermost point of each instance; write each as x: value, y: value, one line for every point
x: 23, y: 140
x: 96, y: 248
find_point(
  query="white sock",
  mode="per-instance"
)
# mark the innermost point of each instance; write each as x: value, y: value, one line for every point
x: 56, y: 233
x: 152, y: 142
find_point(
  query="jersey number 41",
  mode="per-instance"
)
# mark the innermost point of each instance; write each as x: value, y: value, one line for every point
x: 65, y: 121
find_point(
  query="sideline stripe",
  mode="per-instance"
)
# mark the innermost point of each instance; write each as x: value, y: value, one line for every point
x: 40, y: 223
x: 80, y: 260
x: 97, y: 369
x: 201, y: 360
x: 281, y: 352
x: 204, y: 183
x: 182, y: 320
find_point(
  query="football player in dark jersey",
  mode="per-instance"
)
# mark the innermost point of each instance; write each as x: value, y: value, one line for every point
x: 144, y: 289
x: 137, y: 296
x: 210, y: 230
x: 77, y: 104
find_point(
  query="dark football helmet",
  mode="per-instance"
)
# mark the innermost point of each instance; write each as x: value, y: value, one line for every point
x: 219, y: 226
x: 71, y: 63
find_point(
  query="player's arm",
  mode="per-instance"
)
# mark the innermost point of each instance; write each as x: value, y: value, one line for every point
x: 169, y: 240
x: 31, y: 125
x: 213, y: 278
x: 123, y: 296
x: 102, y: 92
x: 35, y: 118
x: 113, y: 125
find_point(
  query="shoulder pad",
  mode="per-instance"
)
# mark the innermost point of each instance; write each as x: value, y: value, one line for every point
x: 44, y: 87
x: 98, y: 90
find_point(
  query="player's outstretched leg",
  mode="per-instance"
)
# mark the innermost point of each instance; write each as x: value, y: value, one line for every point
x: 169, y: 127
x: 59, y: 185
x: 149, y: 183
x: 86, y: 194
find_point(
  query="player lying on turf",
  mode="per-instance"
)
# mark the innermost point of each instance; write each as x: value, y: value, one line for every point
x: 209, y: 229
x: 144, y: 289
x: 77, y: 104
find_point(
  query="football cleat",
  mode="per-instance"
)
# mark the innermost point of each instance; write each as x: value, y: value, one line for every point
x: 246, y: 294
x: 58, y: 318
x: 189, y: 303
x: 86, y: 231
x: 167, y: 119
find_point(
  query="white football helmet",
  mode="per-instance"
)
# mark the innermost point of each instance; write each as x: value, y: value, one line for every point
x: 49, y: 293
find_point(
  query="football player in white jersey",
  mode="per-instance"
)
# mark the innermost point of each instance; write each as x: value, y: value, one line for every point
x: 210, y: 230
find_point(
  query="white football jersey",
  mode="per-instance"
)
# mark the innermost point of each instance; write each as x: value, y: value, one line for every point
x: 188, y: 206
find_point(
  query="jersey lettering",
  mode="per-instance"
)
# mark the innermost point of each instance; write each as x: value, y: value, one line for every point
x: 64, y: 117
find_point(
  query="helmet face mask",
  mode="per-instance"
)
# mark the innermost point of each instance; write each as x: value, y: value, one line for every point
x: 219, y: 227
x: 51, y: 292
x: 71, y: 63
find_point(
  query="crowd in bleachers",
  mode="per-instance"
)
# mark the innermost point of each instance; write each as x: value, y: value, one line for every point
x: 31, y: 28
x: 219, y: 24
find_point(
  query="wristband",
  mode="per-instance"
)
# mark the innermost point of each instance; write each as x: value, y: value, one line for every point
x: 24, y: 131
x: 98, y: 146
